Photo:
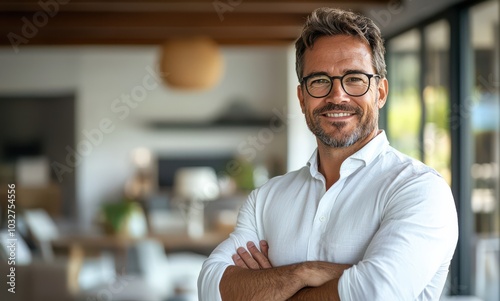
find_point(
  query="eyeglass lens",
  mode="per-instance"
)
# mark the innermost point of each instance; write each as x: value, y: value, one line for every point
x: 354, y: 84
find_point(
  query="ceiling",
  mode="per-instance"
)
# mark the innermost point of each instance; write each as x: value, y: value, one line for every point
x: 148, y: 22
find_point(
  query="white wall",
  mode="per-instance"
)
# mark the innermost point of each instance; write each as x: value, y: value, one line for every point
x: 102, y: 75
x: 301, y: 142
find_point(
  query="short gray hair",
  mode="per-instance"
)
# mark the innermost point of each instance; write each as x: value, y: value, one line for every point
x: 330, y: 22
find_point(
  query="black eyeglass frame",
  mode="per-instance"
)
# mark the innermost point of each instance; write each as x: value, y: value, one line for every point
x: 332, y: 78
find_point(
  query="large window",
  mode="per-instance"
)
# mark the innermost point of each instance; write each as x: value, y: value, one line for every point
x: 436, y: 98
x: 418, y: 118
x: 444, y: 109
x: 405, y: 110
x: 485, y: 129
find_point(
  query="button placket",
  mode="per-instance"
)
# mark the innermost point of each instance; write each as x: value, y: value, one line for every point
x: 320, y: 222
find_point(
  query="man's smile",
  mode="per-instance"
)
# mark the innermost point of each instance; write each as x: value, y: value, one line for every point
x: 339, y: 114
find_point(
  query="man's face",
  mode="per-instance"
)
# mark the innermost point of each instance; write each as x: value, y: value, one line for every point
x: 338, y: 119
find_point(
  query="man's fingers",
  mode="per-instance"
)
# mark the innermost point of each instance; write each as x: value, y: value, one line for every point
x: 239, y: 262
x: 259, y: 256
x: 264, y: 248
x: 248, y: 259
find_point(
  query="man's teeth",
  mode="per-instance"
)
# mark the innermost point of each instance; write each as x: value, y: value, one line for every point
x: 338, y: 114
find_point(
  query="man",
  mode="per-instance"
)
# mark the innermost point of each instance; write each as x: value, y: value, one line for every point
x: 360, y: 221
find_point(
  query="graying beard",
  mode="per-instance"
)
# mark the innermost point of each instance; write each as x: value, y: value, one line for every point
x: 337, y: 143
x: 342, y: 143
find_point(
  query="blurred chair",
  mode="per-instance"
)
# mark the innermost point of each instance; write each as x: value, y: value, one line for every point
x: 82, y: 273
x: 50, y: 277
x: 174, y: 274
x: 150, y: 275
x: 43, y: 230
x: 37, y: 279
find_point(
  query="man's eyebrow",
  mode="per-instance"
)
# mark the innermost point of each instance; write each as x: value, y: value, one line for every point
x: 317, y: 73
x: 346, y: 71
x: 354, y: 71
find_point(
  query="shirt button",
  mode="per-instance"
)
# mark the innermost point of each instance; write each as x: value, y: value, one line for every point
x: 322, y: 219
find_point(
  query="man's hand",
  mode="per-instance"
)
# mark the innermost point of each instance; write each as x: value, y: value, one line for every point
x: 254, y: 278
x: 315, y: 273
x: 254, y: 260
x: 311, y: 280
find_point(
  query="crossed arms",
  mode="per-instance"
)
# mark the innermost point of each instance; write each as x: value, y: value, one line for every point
x: 406, y: 257
x: 311, y: 280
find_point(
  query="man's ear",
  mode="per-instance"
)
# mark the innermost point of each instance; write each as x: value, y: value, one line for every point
x: 300, y: 96
x: 383, y: 91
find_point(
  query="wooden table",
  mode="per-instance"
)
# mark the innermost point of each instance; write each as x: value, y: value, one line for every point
x: 172, y: 242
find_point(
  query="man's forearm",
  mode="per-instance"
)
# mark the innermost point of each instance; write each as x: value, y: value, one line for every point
x: 281, y: 283
x: 272, y: 284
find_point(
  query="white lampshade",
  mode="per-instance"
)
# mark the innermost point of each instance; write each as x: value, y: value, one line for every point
x: 196, y: 183
x: 191, y: 63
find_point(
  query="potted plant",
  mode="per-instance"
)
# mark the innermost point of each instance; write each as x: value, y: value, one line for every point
x: 124, y: 219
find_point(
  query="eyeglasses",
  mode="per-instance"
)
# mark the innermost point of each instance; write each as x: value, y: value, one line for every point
x: 354, y: 83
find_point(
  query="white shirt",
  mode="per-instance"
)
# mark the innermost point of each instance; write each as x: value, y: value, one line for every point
x: 390, y: 216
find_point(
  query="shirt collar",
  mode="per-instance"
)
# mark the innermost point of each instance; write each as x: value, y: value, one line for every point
x: 372, y: 149
x: 366, y: 154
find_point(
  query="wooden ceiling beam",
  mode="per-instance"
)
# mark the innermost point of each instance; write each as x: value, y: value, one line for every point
x: 254, y: 6
x: 141, y: 19
x: 158, y: 35
x: 154, y: 21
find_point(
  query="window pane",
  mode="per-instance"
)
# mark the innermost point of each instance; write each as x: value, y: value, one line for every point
x: 437, y: 140
x: 404, y: 109
x: 485, y: 111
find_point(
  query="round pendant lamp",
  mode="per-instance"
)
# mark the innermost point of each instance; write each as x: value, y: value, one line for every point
x: 191, y: 63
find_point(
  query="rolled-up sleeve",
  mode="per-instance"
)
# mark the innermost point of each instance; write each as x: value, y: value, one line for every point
x: 411, y: 249
x: 214, y: 267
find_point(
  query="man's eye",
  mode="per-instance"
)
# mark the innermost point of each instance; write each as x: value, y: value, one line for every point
x: 355, y: 79
x: 320, y: 81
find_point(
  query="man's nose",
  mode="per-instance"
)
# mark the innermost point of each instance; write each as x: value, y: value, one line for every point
x: 337, y: 93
